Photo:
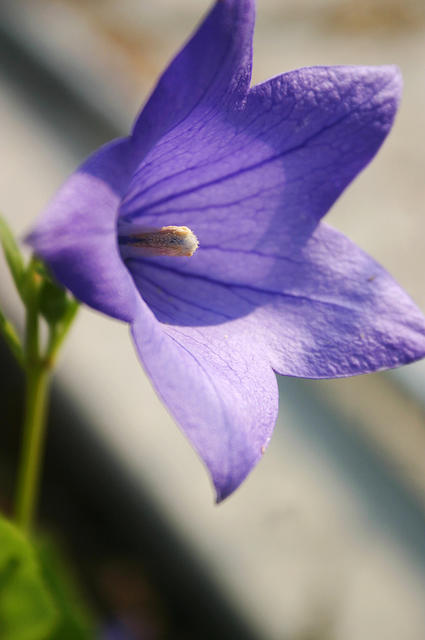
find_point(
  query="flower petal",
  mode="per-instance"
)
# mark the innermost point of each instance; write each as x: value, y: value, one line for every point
x: 329, y: 310
x: 325, y: 124
x: 214, y: 67
x: 218, y: 387
x: 341, y: 314
x: 259, y: 179
x: 77, y: 234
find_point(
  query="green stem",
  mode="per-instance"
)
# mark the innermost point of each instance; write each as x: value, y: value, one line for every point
x: 38, y: 365
x: 38, y: 379
x: 37, y: 386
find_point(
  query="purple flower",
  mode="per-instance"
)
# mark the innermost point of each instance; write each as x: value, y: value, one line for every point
x: 251, y: 171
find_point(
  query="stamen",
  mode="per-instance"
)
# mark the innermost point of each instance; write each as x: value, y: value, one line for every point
x: 168, y: 241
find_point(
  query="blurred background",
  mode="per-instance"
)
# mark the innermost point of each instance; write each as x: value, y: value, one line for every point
x: 326, y: 538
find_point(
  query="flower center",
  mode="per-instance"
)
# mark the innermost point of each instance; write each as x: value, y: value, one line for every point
x: 167, y: 241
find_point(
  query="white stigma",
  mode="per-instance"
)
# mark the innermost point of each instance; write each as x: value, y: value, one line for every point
x: 167, y: 241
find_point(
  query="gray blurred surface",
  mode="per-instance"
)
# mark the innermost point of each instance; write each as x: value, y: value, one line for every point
x: 326, y: 539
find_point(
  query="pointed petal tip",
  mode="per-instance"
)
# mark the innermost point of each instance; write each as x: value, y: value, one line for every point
x: 395, y: 78
x: 391, y: 84
x: 213, y: 66
x: 394, y: 71
x: 225, y: 487
x: 222, y: 494
x: 224, y: 490
x: 387, y: 78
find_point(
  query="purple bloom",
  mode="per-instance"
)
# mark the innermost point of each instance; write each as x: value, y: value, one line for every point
x: 251, y: 171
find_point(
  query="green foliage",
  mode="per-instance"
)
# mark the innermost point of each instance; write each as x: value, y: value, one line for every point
x: 13, y: 256
x: 8, y: 331
x: 53, y: 301
x: 38, y: 597
x: 44, y: 299
x: 27, y: 610
x: 75, y: 622
x: 52, y: 297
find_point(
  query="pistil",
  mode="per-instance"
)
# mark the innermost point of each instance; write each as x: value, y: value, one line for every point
x: 167, y: 241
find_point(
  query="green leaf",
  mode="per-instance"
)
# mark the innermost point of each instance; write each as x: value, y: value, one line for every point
x: 13, y: 255
x: 75, y: 621
x: 59, y: 331
x: 27, y: 611
x: 8, y: 331
x: 42, y: 269
x: 53, y: 301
